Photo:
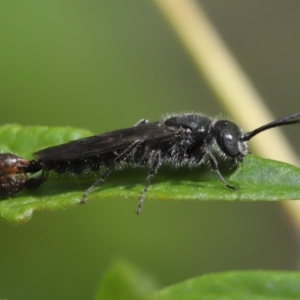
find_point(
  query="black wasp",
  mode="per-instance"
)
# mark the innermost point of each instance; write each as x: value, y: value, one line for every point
x: 186, y: 139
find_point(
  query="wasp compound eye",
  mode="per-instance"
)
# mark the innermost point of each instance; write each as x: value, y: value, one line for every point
x: 229, y: 144
x: 227, y: 135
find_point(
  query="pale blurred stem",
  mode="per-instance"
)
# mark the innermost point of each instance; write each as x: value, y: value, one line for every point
x: 228, y: 81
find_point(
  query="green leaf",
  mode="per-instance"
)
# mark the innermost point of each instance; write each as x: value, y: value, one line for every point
x: 255, y: 179
x: 124, y: 282
x: 248, y: 285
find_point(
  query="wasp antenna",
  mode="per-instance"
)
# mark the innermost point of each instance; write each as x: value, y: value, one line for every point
x: 280, y: 122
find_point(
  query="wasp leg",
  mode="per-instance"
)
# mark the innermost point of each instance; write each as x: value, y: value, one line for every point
x: 215, y: 168
x: 34, y: 182
x: 154, y: 166
x: 129, y: 150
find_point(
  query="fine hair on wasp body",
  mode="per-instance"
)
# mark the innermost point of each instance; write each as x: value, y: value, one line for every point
x: 184, y: 139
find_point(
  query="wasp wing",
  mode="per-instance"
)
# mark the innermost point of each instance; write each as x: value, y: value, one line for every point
x: 107, y: 142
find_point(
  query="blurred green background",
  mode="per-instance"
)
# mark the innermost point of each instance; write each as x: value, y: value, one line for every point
x: 103, y: 65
